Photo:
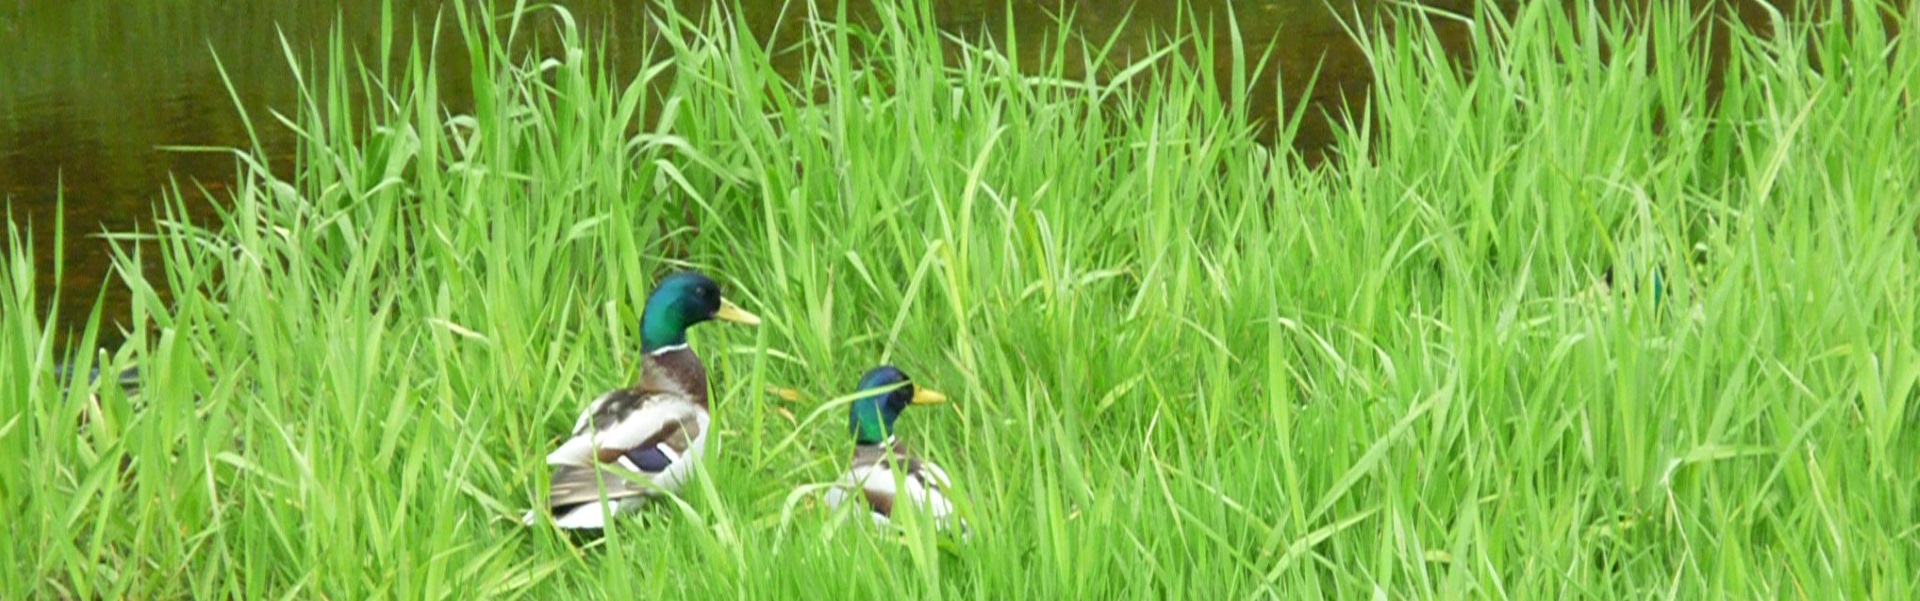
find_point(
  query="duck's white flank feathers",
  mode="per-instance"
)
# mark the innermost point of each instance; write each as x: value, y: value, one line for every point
x: 873, y: 474
x: 622, y: 431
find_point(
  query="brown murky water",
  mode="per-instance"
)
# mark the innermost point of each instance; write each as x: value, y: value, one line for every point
x: 91, y: 91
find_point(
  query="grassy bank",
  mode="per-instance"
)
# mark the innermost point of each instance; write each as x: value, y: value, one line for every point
x: 1183, y: 364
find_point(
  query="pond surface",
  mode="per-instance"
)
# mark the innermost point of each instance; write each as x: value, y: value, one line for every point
x: 92, y: 91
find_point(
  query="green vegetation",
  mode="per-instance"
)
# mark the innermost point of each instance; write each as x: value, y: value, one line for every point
x: 1182, y: 364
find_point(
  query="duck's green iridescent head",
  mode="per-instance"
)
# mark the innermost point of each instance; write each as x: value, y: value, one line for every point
x: 871, y: 419
x: 682, y: 300
x: 1658, y: 283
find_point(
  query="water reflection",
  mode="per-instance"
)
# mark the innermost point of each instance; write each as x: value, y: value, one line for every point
x: 93, y: 89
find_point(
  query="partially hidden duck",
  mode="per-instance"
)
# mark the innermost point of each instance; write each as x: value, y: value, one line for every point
x: 883, y: 468
x: 654, y: 430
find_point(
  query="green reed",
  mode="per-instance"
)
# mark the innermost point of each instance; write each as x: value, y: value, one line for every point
x: 1184, y: 362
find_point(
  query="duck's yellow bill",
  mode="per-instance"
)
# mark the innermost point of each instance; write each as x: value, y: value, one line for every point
x: 924, y: 396
x: 731, y: 312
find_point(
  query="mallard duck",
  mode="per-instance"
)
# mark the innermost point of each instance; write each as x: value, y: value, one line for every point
x: 876, y: 454
x: 129, y: 378
x: 653, y: 431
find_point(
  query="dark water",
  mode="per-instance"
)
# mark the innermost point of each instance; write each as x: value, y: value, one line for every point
x: 91, y: 90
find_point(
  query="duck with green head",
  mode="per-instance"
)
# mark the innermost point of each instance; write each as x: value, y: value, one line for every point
x: 653, y: 431
x: 885, y: 392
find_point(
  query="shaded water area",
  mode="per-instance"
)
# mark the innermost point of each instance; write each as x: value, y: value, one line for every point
x: 93, y: 92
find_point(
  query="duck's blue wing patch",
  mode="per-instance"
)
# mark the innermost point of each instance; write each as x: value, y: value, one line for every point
x: 659, y: 451
x: 650, y: 459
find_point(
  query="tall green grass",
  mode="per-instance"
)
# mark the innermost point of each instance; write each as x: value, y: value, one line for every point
x: 1184, y: 364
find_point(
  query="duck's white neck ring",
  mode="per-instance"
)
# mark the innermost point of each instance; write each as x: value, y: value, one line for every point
x: 888, y: 443
x: 667, y: 349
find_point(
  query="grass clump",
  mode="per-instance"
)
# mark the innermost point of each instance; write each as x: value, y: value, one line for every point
x: 1183, y: 363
